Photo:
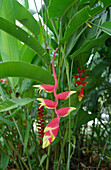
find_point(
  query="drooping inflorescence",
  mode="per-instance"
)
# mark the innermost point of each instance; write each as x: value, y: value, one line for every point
x: 51, y: 130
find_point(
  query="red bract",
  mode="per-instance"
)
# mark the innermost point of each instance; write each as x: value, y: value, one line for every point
x: 65, y: 111
x: 77, y: 76
x: 52, y: 128
x: 51, y: 132
x: 80, y: 71
x: 78, y: 82
x: 83, y: 78
x: 47, y: 103
x: 65, y: 95
x: 84, y: 84
x: 47, y: 87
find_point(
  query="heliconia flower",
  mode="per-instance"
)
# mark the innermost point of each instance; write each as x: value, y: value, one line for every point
x: 79, y: 81
x: 52, y: 128
x: 65, y: 95
x: 46, y: 87
x: 51, y: 132
x: 47, y: 103
x: 65, y: 111
x: 81, y: 94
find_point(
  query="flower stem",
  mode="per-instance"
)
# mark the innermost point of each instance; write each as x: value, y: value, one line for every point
x: 69, y: 145
x: 47, y: 162
x: 64, y: 140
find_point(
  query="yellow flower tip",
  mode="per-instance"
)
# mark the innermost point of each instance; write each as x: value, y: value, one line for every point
x: 40, y: 99
x: 45, y: 130
x: 42, y: 102
x: 80, y: 98
x: 73, y: 108
x: 36, y: 86
x: 45, y: 143
x: 72, y: 92
x: 40, y: 90
x: 87, y: 23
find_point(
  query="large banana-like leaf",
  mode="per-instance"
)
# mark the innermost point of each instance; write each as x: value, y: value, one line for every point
x: 25, y: 17
x: 23, y: 36
x: 82, y: 16
x: 90, y: 44
x: 58, y: 8
x: 8, y: 44
x: 13, y: 103
x: 106, y: 27
x: 25, y: 70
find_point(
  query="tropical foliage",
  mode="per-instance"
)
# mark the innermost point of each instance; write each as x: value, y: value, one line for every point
x: 63, y: 61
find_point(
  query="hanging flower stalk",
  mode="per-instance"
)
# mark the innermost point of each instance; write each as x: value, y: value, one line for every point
x: 51, y: 130
x: 80, y: 81
x: 40, y: 123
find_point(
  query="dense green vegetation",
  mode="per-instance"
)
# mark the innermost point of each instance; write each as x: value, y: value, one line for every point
x: 81, y: 31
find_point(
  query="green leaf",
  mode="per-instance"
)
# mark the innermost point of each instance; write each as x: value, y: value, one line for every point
x: 47, y: 21
x: 46, y: 2
x: 13, y: 114
x: 4, y: 160
x: 26, y: 4
x: 106, y: 27
x: 8, y: 122
x: 23, y: 36
x: 82, y: 16
x: 83, y: 2
x: 84, y: 117
x: 2, y: 93
x: 28, y: 55
x: 89, y: 45
x: 77, y: 21
x: 95, y: 79
x: 58, y: 8
x: 13, y: 103
x: 26, y: 136
x: 25, y: 17
x: 8, y: 44
x: 31, y: 150
x: 24, y: 84
x: 43, y: 159
x: 73, y: 40
x: 25, y: 70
